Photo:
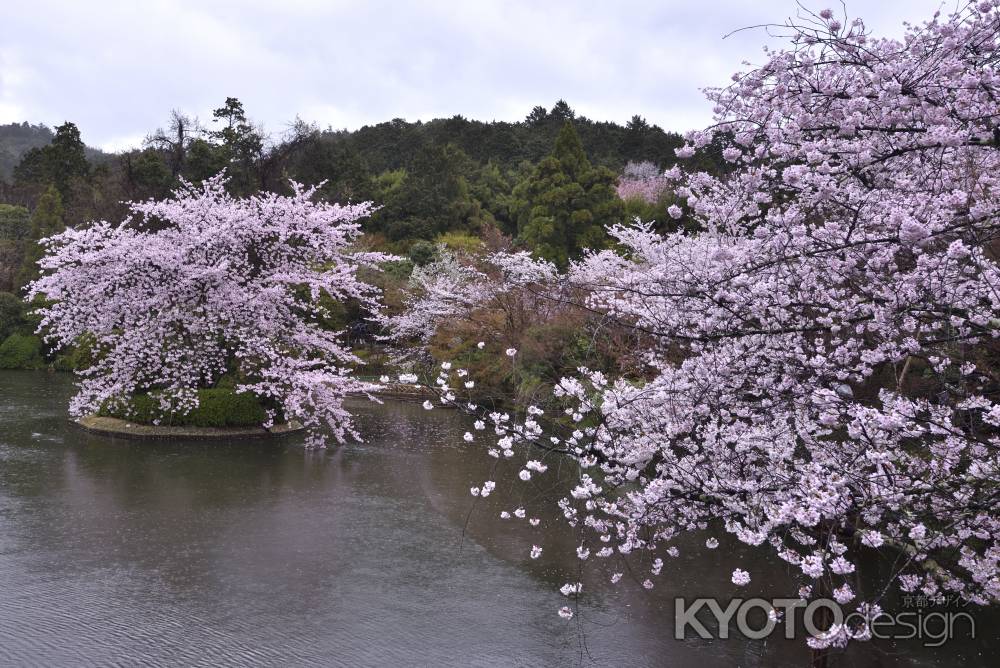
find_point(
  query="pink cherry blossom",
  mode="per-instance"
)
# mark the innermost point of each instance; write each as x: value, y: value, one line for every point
x: 201, y: 284
x: 845, y: 264
x: 643, y: 181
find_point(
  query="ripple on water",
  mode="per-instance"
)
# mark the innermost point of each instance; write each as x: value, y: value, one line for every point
x: 163, y: 553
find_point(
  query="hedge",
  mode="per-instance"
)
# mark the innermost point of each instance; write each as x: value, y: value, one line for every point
x: 218, y: 407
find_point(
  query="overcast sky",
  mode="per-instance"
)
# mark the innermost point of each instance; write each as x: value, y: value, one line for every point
x: 116, y: 69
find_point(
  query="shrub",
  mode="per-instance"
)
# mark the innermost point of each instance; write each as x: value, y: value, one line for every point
x: 218, y: 407
x: 422, y: 252
x: 11, y: 314
x: 461, y: 242
x: 77, y: 357
x: 21, y: 351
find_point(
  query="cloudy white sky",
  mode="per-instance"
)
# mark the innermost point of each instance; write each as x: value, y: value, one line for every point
x: 116, y: 69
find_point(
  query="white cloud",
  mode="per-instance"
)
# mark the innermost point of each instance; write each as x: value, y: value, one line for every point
x: 13, y: 76
x: 117, y: 68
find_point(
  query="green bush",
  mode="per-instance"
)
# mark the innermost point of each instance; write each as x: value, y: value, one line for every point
x: 218, y: 407
x: 398, y: 271
x: 461, y: 242
x: 21, y: 351
x: 423, y: 252
x: 77, y: 357
x: 11, y: 314
x: 74, y: 359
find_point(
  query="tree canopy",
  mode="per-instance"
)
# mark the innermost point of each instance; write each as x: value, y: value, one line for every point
x: 204, y: 285
x: 46, y: 221
x: 566, y: 205
x: 58, y: 164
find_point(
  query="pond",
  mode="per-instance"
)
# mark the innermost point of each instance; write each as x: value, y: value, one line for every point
x: 372, y: 554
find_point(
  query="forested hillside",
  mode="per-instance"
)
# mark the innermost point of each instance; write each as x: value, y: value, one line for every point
x: 550, y: 183
x: 16, y: 139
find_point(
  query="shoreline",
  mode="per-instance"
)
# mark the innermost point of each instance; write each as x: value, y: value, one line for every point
x: 109, y: 426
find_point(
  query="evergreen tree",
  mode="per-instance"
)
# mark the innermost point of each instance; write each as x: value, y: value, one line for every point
x: 243, y: 145
x: 537, y: 116
x: 11, y: 314
x: 338, y: 165
x: 491, y: 187
x: 59, y: 163
x: 15, y: 222
x: 566, y: 203
x: 147, y: 174
x: 561, y: 111
x: 16, y: 139
x: 634, y: 140
x: 46, y: 220
x: 204, y: 160
x: 433, y: 197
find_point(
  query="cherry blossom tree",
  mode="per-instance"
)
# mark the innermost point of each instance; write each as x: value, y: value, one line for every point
x: 642, y: 180
x: 822, y: 354
x: 454, y: 285
x: 199, y: 285
x: 438, y: 291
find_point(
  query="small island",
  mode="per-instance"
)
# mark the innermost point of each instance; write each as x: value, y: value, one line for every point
x: 221, y: 413
x: 110, y: 426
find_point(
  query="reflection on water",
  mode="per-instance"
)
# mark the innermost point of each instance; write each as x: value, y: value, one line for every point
x: 259, y: 553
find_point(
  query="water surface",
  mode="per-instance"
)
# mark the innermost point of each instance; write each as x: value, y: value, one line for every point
x: 374, y: 554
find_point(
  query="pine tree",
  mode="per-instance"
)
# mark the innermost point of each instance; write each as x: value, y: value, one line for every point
x: 242, y: 144
x: 60, y: 163
x: 15, y: 222
x: 46, y: 220
x: 566, y: 203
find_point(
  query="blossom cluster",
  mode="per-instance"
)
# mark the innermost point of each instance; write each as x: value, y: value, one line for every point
x: 642, y: 180
x: 818, y: 353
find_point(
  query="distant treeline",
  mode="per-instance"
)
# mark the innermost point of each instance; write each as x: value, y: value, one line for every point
x: 16, y: 139
x: 547, y: 182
